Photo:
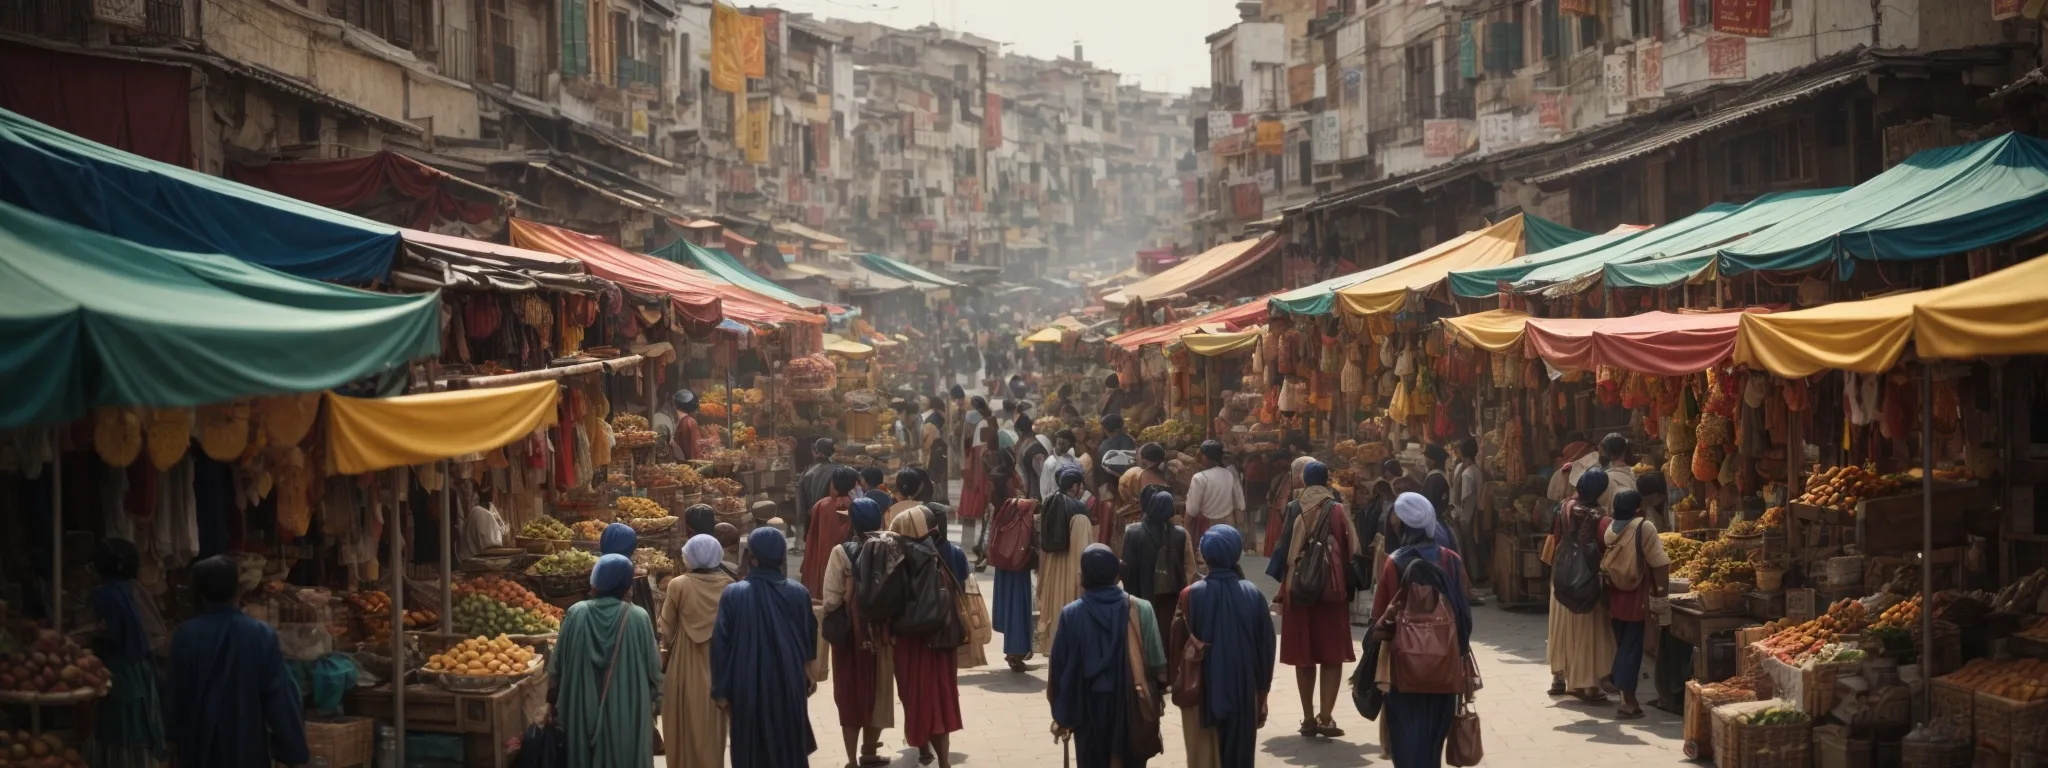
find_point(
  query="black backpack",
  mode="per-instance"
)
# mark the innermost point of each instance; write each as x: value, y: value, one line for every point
x: 1575, y: 573
x: 881, y: 582
x: 932, y: 601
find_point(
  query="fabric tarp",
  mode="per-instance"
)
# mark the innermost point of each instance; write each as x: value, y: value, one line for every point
x: 504, y: 256
x: 1656, y: 343
x: 367, y: 435
x: 1214, y: 344
x: 1495, y: 330
x: 1540, y: 234
x: 1486, y: 281
x: 852, y: 277
x: 905, y: 271
x: 847, y: 348
x: 1938, y: 202
x: 1663, y: 262
x: 2001, y: 313
x: 137, y: 106
x: 93, y: 320
x: 1388, y: 292
x: 352, y: 182
x: 1047, y: 335
x: 724, y: 267
x: 1229, y: 318
x: 1212, y: 266
x: 1321, y: 298
x: 157, y: 204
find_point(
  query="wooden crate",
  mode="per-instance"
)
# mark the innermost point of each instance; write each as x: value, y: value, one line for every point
x: 2005, y: 725
x: 1699, y: 718
x: 1956, y: 703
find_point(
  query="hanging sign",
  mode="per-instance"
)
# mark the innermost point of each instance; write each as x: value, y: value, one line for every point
x: 1443, y: 138
x: 1327, y: 144
x: 120, y: 13
x: 1616, y: 82
x: 1749, y: 18
x: 753, y: 42
x: 1550, y: 109
x: 1650, y: 71
x: 1727, y: 58
x: 726, y: 72
x: 1496, y: 132
x: 1272, y: 137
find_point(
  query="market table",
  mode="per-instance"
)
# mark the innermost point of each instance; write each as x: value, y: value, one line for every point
x: 1693, y: 626
x: 485, y: 722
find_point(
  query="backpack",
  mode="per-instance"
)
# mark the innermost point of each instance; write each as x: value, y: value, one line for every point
x: 930, y: 597
x: 1308, y: 577
x: 881, y: 582
x: 1055, y: 524
x: 1009, y: 538
x: 998, y: 463
x: 1624, y: 574
x: 1575, y: 574
x: 837, y: 626
x: 1427, y: 657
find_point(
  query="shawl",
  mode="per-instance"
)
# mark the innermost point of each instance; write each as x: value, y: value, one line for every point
x: 764, y: 636
x: 1231, y: 615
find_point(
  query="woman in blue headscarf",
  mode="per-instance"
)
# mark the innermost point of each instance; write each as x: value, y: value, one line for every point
x: 1159, y: 557
x: 764, y: 638
x: 1063, y: 532
x: 130, y: 731
x: 1417, y: 723
x: 1091, y: 681
x: 1580, y: 646
x: 1231, y: 615
x: 1010, y: 611
x: 693, y: 727
x: 605, y: 675
x: 863, y: 677
x: 1315, y: 631
x: 620, y: 539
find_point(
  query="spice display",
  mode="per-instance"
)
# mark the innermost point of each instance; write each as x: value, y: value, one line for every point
x: 546, y: 528
x: 480, y: 656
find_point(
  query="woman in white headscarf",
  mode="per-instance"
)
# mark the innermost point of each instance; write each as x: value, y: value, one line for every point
x: 695, y: 726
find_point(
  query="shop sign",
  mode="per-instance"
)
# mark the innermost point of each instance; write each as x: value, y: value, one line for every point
x: 1267, y: 182
x: 1301, y: 84
x: 1727, y: 58
x: 1749, y: 18
x: 1328, y: 146
x: 1272, y: 137
x: 1497, y: 132
x: 120, y: 13
x: 1616, y: 82
x: 1550, y: 109
x: 1444, y: 138
x: 1220, y: 125
x: 1650, y: 71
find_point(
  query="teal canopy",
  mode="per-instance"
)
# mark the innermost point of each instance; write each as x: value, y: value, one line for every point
x: 90, y: 320
x: 904, y: 271
x: 724, y: 267
x: 1938, y: 202
x: 1540, y: 234
x: 1479, y: 283
x: 1677, y: 259
x: 156, y: 204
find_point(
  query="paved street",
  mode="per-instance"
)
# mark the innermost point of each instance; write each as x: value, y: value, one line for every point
x: 1007, y: 719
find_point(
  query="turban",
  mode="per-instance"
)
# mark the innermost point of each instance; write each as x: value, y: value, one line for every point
x: 702, y: 552
x: 611, y: 576
x: 1099, y: 567
x: 1222, y: 546
x: 1591, y: 485
x: 618, y: 539
x: 768, y: 545
x: 866, y: 515
x: 1315, y: 474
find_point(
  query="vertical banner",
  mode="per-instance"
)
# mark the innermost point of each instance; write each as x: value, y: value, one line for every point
x: 1468, y: 51
x: 1649, y: 71
x: 1550, y: 109
x: 753, y: 42
x: 726, y: 73
x: 1748, y: 18
x: 1272, y: 137
x: 992, y: 122
x: 756, y: 134
x: 1327, y: 144
x: 1615, y: 82
x: 1727, y: 58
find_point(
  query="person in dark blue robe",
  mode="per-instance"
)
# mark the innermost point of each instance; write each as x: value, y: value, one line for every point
x: 1231, y: 615
x: 765, y: 635
x: 1090, y: 678
x: 1010, y: 610
x: 233, y: 703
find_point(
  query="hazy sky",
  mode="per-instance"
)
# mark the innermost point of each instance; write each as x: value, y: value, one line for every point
x: 1159, y: 42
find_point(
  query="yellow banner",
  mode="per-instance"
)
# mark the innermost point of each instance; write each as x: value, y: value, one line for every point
x: 1272, y: 137
x: 753, y: 42
x: 756, y: 134
x: 726, y: 73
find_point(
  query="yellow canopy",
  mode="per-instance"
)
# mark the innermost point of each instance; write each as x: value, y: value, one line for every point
x: 848, y: 348
x: 1495, y: 330
x: 1209, y: 267
x: 365, y: 435
x: 2002, y: 313
x: 1051, y: 334
x: 1213, y: 344
x: 1494, y: 245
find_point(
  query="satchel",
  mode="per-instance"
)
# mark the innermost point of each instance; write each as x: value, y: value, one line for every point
x: 1309, y: 578
x: 1009, y: 539
x: 1620, y: 572
x: 1187, y: 669
x: 837, y: 626
x: 1425, y: 648
x: 1141, y: 734
x: 1463, y: 749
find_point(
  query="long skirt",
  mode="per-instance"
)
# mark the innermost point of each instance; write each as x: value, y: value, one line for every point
x: 974, y: 490
x: 862, y: 688
x: 130, y: 731
x: 1275, y: 521
x: 1581, y: 646
x: 1011, y: 615
x: 1417, y: 724
x: 1315, y: 634
x: 1200, y: 741
x: 936, y: 466
x: 692, y: 725
x: 930, y: 687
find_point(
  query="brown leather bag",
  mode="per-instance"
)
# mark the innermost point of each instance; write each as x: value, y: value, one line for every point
x: 1009, y: 540
x: 1192, y: 652
x: 1141, y: 731
x: 1464, y: 749
x: 1426, y: 653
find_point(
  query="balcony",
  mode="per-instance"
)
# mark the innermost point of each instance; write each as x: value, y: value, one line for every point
x: 638, y: 75
x: 56, y: 19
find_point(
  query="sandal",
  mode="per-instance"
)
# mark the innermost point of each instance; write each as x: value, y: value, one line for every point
x: 1327, y: 727
x: 870, y: 761
x: 1017, y: 664
x: 1308, y: 727
x: 1557, y: 688
x: 925, y: 756
x: 1623, y: 714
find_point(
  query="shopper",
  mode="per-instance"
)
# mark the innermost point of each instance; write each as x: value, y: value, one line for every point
x: 1114, y: 439
x: 1092, y: 682
x: 1231, y: 615
x: 932, y: 442
x: 1464, y: 499
x: 1436, y: 483
x: 1114, y: 400
x: 1621, y: 476
x: 1417, y: 724
x: 874, y: 485
x: 926, y: 677
x: 233, y: 703
x: 955, y: 434
x: 1150, y: 471
x: 1033, y: 450
x: 130, y: 729
x: 815, y: 483
x: 605, y: 676
x: 1580, y: 645
x: 1216, y: 494
x: 764, y: 638
x: 1010, y: 613
x: 682, y: 444
x: 1315, y: 631
x: 694, y: 726
x: 1280, y: 500
x: 863, y: 670
x: 828, y: 528
x: 1064, y: 532
x: 1062, y: 455
x: 978, y: 492
x: 621, y: 539
x: 1636, y: 570
x: 1159, y: 557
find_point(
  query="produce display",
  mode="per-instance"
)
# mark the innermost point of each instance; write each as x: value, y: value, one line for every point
x: 546, y: 528
x: 373, y: 607
x: 1680, y: 549
x: 1172, y: 432
x: 653, y: 560
x: 477, y: 614
x: 52, y: 663
x: 725, y: 486
x: 27, y: 750
x: 1773, y: 520
x: 482, y: 657
x: 2021, y: 596
x: 589, y: 530
x: 816, y: 365
x: 1841, y: 488
x: 1779, y: 715
x: 2016, y: 679
x: 637, y: 507
x: 1744, y: 528
x: 667, y: 476
x: 509, y: 592
x: 631, y: 431
x: 568, y: 562
x: 2039, y: 631
x: 1718, y: 566
x: 1905, y: 615
x: 1795, y: 643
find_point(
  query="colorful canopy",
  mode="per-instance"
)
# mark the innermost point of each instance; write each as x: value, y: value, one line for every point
x: 1938, y: 202
x: 1214, y: 344
x: 1229, y: 319
x: 905, y: 271
x: 694, y: 294
x: 1211, y: 267
x: 1321, y: 298
x: 1495, y: 330
x: 1540, y: 234
x: 2002, y: 313
x: 93, y: 320
x: 365, y: 435
x: 1657, y: 343
x: 1681, y: 258
x: 1486, y: 281
x: 724, y: 267
x: 1051, y: 334
x: 1389, y: 291
x: 500, y: 255
x: 156, y: 204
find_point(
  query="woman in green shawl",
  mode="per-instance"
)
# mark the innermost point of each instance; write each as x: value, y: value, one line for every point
x: 605, y: 677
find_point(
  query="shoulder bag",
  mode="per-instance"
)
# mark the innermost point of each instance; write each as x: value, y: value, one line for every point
x: 837, y: 626
x: 1188, y: 663
x: 1426, y: 656
x: 1141, y: 733
x: 1464, y: 749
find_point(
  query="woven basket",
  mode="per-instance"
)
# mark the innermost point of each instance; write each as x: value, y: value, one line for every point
x: 542, y: 546
x: 1720, y: 601
x: 342, y: 741
x: 1770, y: 579
x: 1699, y: 717
x: 2007, y: 725
x: 1956, y: 703
x: 1945, y: 754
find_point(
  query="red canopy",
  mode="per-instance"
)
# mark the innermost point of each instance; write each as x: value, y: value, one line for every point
x: 348, y: 184
x: 1232, y: 319
x: 1656, y: 343
x: 696, y: 295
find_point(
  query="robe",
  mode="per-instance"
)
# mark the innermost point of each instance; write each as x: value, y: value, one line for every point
x: 1059, y: 574
x: 811, y: 486
x: 233, y: 704
x: 764, y: 637
x: 693, y: 727
x: 1031, y: 458
x: 829, y: 526
x: 1231, y: 615
x: 607, y: 638
x: 863, y: 678
x: 1089, y: 675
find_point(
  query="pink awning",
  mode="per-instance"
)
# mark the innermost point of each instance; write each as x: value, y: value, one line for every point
x: 1229, y: 319
x: 1656, y: 343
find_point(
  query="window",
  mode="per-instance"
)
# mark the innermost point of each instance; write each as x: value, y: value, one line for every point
x: 1504, y: 46
x: 309, y: 124
x: 1419, y: 89
x: 1647, y: 19
x: 575, y: 37
x: 1552, y: 32
x: 1692, y: 13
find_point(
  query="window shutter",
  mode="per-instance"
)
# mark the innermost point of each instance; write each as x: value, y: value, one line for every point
x: 1503, y: 46
x: 1589, y: 31
x: 401, y: 23
x: 1552, y: 32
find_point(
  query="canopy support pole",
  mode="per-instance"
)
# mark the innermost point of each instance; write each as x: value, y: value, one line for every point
x: 56, y: 537
x: 393, y: 531
x: 1927, y: 532
x: 447, y: 548
x: 542, y: 374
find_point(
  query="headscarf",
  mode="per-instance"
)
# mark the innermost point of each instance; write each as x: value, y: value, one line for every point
x: 1417, y: 514
x: 1626, y: 506
x: 618, y: 539
x: 822, y: 449
x: 1222, y: 545
x: 769, y: 548
x: 1103, y: 613
x: 701, y: 518
x: 844, y: 479
x: 1068, y: 477
x: 1213, y: 451
x: 911, y: 523
x: 727, y: 534
x: 866, y: 515
x: 1099, y: 567
x: 217, y: 578
x: 1591, y: 485
x: 612, y: 576
x: 131, y: 623
x: 702, y: 551
x: 685, y: 401
x: 1315, y: 474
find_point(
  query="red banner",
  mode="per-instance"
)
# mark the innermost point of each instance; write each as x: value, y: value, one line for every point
x: 2006, y: 9
x: 1749, y: 18
x: 1727, y: 58
x: 1550, y: 110
x: 1246, y: 202
x: 992, y: 122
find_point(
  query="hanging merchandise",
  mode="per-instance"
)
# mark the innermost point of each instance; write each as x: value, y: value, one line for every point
x: 294, y: 487
x: 170, y: 434
x: 1607, y: 383
x: 1422, y: 397
x: 1352, y: 379
x: 224, y: 429
x: 1294, y: 396
x: 117, y: 435
x: 1398, y: 408
x: 1947, y: 406
x: 287, y: 418
x: 1901, y: 406
x: 1678, y: 469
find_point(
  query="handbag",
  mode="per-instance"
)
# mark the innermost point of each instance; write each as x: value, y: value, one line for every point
x: 1365, y: 691
x: 837, y: 626
x: 1464, y: 749
x: 1010, y: 537
x: 1187, y: 670
x: 1141, y: 736
x: 974, y: 614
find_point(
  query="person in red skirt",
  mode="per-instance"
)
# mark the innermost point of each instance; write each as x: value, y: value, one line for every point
x: 927, y: 679
x: 975, y: 489
x: 1315, y: 629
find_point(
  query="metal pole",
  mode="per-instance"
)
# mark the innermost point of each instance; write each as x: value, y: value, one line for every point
x: 393, y: 530
x: 56, y: 536
x: 447, y: 548
x: 1927, y: 532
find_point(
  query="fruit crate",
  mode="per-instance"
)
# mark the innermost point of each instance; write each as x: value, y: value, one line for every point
x: 1957, y: 703
x: 1699, y: 717
x: 342, y: 741
x: 2006, y: 724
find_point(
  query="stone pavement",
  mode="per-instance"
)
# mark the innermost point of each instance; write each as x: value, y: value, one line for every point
x: 1007, y: 720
